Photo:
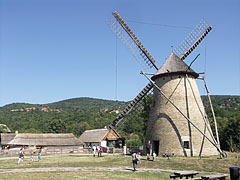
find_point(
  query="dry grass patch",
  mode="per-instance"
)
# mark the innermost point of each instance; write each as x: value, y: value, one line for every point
x: 86, y: 175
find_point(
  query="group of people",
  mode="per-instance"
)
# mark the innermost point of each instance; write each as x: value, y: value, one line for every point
x: 99, y: 150
x: 149, y: 151
x: 21, y: 156
x: 136, y: 157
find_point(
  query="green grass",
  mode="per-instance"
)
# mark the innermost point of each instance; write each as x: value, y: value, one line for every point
x: 89, y: 167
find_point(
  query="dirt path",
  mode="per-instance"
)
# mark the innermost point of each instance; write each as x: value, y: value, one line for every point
x: 45, y: 156
x: 122, y: 169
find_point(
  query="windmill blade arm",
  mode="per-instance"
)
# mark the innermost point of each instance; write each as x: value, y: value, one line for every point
x: 130, y: 106
x: 192, y: 40
x: 130, y: 41
x: 196, y: 43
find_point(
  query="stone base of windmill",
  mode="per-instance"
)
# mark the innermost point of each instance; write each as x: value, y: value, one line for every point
x: 168, y: 130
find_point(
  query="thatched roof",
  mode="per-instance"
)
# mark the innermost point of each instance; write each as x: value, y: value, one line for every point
x: 6, y: 137
x: 174, y: 65
x: 94, y: 135
x: 97, y: 135
x: 47, y: 139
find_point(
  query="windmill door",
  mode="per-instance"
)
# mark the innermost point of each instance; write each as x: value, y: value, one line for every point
x: 155, y: 147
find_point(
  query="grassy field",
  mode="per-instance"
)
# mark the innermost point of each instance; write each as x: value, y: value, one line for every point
x: 76, y: 166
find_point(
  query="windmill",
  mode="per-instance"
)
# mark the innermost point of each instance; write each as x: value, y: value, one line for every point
x: 177, y: 123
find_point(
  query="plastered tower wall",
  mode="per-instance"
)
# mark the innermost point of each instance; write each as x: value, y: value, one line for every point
x: 168, y: 127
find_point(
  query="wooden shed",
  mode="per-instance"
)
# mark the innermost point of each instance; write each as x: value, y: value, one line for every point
x: 102, y: 137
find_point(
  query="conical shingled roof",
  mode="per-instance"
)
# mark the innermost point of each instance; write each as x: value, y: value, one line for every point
x: 174, y: 65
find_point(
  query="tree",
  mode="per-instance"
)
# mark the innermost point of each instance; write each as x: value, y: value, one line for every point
x: 32, y: 130
x: 147, y: 104
x: 133, y: 140
x: 56, y: 126
x: 232, y: 134
x: 79, y: 128
x: 2, y: 130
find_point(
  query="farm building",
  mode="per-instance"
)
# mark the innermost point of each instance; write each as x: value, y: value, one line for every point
x: 102, y: 137
x: 48, y: 142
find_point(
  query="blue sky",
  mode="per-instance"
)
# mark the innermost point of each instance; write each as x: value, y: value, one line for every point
x: 51, y: 50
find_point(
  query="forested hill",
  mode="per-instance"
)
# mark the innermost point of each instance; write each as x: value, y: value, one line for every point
x: 223, y: 100
x: 79, y: 114
x: 86, y: 104
x: 77, y: 104
x: 67, y: 116
x: 93, y: 104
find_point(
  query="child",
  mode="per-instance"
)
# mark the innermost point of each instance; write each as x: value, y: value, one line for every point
x: 154, y: 155
x: 39, y: 156
x: 139, y: 157
x: 31, y: 158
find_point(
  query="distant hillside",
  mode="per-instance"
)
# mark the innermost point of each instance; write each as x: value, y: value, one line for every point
x: 93, y: 104
x: 12, y: 106
x: 222, y: 100
x: 86, y: 104
x: 71, y: 115
x: 78, y: 104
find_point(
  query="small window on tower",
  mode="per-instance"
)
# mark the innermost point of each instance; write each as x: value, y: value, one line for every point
x: 186, y: 144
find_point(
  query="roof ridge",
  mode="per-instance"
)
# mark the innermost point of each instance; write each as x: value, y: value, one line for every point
x: 96, y: 130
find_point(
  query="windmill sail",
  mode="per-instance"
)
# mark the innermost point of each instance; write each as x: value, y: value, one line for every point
x: 131, y: 105
x: 192, y: 40
x: 120, y: 28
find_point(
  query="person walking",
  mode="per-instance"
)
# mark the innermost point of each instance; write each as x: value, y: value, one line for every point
x: 101, y: 151
x: 20, y: 156
x: 134, y: 161
x: 98, y: 150
x: 154, y: 155
x: 31, y: 158
x: 94, y: 150
x: 138, y: 156
x: 148, y: 150
x: 125, y: 150
x: 39, y: 155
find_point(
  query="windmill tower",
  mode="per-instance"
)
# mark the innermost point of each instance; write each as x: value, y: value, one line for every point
x: 177, y: 123
x: 168, y: 130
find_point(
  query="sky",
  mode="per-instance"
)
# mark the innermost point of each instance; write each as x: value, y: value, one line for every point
x: 52, y: 50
